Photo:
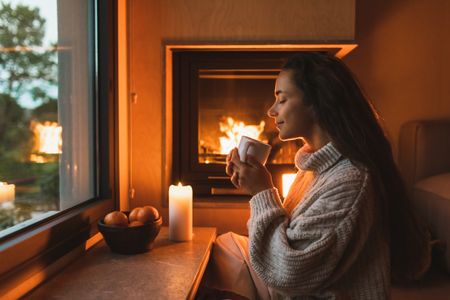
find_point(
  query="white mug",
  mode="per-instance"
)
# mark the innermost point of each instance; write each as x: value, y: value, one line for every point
x: 258, y: 149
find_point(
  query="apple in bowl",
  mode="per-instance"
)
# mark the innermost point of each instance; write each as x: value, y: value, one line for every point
x: 144, y: 214
x: 128, y: 233
x: 116, y: 218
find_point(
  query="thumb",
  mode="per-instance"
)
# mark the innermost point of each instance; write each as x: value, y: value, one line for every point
x: 252, y: 161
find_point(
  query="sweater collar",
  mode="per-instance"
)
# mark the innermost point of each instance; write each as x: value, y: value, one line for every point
x: 317, y: 161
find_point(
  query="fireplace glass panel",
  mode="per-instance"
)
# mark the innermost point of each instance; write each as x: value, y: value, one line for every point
x: 232, y: 103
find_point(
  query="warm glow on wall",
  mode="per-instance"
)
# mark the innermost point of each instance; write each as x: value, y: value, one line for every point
x: 287, y: 180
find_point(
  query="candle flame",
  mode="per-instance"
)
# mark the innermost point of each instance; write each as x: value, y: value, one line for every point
x: 179, y: 184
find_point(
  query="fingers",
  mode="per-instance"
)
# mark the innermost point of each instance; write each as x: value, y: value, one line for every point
x: 235, y: 179
x: 236, y: 160
x: 234, y: 165
x: 252, y: 161
x: 236, y: 153
x: 229, y: 169
x: 238, y: 169
x: 228, y: 159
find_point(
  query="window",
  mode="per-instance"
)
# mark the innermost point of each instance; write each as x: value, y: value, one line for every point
x: 47, y: 113
x: 57, y: 127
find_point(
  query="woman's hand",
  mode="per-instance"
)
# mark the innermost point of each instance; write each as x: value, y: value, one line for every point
x: 251, y: 176
x: 229, y: 167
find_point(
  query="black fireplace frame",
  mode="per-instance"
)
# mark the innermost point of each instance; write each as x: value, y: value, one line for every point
x: 209, y: 179
x: 180, y: 163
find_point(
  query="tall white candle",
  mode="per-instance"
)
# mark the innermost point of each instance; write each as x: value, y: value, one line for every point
x: 7, y: 192
x: 180, y: 212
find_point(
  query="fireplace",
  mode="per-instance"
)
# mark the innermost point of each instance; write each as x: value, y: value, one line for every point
x: 218, y: 95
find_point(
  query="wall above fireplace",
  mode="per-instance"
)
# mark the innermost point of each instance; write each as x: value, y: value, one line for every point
x: 217, y: 20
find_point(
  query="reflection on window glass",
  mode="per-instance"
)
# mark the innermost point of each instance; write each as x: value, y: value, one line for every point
x: 46, y: 109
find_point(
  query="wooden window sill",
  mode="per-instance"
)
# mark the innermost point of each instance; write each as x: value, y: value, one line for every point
x: 169, y: 271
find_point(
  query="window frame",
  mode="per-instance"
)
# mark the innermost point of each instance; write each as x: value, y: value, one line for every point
x: 32, y: 249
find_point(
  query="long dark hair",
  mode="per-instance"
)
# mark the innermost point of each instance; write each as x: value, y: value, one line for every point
x: 342, y: 110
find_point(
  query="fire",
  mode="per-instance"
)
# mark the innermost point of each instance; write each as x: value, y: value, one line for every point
x: 234, y: 130
x: 48, y: 139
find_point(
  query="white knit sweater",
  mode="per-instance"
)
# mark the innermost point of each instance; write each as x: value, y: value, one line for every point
x: 329, y: 248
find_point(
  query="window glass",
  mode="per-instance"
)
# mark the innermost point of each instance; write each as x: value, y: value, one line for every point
x: 47, y: 92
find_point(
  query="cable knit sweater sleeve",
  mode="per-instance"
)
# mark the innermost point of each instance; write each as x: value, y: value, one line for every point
x: 306, y: 253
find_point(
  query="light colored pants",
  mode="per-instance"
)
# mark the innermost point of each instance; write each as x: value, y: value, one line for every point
x: 230, y: 269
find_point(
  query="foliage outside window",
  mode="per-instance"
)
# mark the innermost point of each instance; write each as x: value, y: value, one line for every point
x: 46, y: 109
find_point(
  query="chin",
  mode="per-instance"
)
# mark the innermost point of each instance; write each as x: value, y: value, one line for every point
x: 284, y: 137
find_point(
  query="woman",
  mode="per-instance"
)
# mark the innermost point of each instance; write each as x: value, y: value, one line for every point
x: 346, y: 226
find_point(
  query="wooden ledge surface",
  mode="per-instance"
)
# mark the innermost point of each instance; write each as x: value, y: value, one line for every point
x: 171, y: 270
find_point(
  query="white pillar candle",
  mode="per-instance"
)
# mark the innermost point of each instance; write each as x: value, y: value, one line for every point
x: 7, y: 192
x: 180, y: 212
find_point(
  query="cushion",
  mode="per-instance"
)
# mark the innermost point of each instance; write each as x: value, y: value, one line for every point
x: 431, y: 197
x: 424, y: 148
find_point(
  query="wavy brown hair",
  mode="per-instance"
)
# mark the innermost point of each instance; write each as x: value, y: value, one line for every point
x: 341, y: 109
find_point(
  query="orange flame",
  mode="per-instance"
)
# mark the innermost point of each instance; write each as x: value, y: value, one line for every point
x: 234, y: 130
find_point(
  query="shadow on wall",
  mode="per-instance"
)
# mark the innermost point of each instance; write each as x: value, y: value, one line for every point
x: 364, y: 60
x: 369, y: 14
x: 369, y: 17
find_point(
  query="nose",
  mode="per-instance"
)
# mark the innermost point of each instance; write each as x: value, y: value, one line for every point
x: 272, y: 112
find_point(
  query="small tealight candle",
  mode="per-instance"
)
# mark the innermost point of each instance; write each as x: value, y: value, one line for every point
x: 180, y: 212
x: 7, y: 192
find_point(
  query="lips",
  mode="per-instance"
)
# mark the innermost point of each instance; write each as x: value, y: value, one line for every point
x: 279, y: 124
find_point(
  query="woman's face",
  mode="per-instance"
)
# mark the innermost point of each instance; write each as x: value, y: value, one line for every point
x: 292, y: 117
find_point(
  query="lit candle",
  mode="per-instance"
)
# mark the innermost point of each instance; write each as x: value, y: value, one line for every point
x: 180, y: 212
x: 287, y: 180
x: 7, y: 192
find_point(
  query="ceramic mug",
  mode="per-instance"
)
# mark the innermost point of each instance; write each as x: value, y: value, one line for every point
x: 258, y: 149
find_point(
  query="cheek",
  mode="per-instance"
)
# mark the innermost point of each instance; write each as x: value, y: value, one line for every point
x: 300, y: 118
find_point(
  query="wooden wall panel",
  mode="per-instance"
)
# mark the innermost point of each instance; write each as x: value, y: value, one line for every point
x: 258, y: 20
x: 146, y: 114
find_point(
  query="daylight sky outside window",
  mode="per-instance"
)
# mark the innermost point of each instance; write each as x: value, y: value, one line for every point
x: 48, y: 10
